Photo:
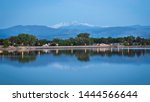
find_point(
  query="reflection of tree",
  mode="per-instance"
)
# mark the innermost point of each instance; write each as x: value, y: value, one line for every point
x: 84, y: 55
x: 26, y: 58
x: 22, y: 57
x: 121, y: 52
x: 81, y: 55
x: 61, y: 52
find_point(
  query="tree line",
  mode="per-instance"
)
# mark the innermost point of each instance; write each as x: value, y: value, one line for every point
x: 80, y: 39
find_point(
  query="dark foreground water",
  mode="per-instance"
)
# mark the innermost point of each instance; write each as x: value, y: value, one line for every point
x: 81, y: 67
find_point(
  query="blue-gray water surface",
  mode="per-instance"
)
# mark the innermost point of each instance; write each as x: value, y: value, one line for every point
x: 76, y: 67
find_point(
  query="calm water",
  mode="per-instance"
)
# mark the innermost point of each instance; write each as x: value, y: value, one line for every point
x: 81, y: 67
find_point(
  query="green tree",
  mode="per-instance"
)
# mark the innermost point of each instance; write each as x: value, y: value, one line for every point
x: 130, y: 40
x: 1, y: 41
x: 6, y: 43
x: 26, y: 39
x: 13, y: 40
x: 83, y: 39
x: 42, y: 42
x: 83, y: 35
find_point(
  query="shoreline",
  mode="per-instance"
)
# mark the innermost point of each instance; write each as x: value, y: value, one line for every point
x: 24, y: 48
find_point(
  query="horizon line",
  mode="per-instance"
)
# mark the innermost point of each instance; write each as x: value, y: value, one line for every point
x: 51, y: 26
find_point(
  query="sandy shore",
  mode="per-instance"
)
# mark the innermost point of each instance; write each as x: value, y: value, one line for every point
x: 65, y: 47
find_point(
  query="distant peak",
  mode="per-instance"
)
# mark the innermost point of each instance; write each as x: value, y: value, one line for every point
x: 65, y: 24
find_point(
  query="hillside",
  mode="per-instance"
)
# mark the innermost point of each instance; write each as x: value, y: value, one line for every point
x: 71, y: 30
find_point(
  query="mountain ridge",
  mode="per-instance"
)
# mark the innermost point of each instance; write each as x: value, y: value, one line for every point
x: 71, y: 30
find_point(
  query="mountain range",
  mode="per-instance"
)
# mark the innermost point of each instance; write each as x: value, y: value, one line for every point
x: 67, y: 30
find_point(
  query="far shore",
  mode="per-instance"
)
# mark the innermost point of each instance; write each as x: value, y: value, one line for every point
x: 24, y: 48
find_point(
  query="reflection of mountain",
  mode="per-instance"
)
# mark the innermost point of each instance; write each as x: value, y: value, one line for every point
x: 58, y: 58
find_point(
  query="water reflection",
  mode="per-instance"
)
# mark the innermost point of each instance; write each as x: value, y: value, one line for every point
x: 80, y: 54
x: 75, y: 66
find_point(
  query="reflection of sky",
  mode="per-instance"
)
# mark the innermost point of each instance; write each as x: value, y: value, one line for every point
x: 60, y: 61
x: 49, y: 69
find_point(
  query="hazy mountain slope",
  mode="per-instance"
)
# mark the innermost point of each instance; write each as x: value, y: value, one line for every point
x: 71, y: 30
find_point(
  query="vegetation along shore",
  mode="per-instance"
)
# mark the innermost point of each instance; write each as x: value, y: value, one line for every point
x: 83, y: 40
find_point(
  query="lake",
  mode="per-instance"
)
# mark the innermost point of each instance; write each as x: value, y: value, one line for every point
x: 97, y: 66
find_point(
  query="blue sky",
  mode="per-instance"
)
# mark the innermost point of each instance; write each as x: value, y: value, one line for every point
x: 96, y: 12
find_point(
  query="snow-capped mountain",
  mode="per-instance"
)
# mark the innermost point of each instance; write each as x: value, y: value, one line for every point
x: 66, y: 24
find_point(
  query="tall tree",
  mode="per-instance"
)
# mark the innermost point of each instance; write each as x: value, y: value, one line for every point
x: 6, y: 43
x: 26, y: 39
x: 83, y: 35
